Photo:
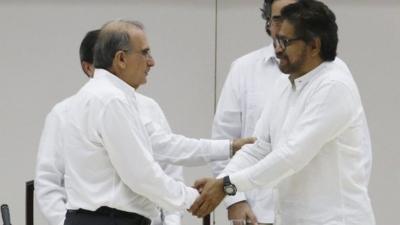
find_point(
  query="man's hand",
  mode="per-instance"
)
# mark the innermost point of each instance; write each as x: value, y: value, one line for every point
x: 238, y: 143
x: 242, y: 210
x: 211, y: 194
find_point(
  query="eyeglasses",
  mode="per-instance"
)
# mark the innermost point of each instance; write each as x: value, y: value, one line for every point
x: 285, y: 42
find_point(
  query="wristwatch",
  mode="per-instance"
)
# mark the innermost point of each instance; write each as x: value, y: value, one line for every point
x: 229, y: 188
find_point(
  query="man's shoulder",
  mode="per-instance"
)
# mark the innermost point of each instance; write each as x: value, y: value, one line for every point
x: 146, y: 101
x: 61, y: 106
x: 336, y: 72
x: 101, y: 91
x: 253, y: 57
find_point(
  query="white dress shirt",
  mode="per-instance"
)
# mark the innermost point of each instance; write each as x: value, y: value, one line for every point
x: 107, y: 155
x: 191, y: 151
x: 246, y: 89
x: 311, y: 146
x: 150, y: 109
x: 49, y: 178
x: 49, y: 181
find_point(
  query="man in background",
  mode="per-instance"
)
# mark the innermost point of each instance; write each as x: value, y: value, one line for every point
x: 247, y: 87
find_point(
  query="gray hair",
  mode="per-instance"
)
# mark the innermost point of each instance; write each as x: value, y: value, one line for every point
x: 113, y: 37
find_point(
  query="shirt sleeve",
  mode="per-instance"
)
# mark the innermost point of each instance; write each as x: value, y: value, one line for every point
x: 327, y: 113
x: 228, y: 122
x: 172, y: 218
x: 228, y: 116
x: 180, y: 150
x: 124, y: 138
x: 177, y: 149
x: 49, y: 180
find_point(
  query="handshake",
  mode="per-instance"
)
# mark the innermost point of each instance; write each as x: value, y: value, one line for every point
x: 211, y: 194
x: 211, y: 189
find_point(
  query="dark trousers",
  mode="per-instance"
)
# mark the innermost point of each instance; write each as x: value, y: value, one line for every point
x: 104, y: 216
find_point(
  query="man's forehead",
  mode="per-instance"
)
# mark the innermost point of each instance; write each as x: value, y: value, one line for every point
x: 139, y: 40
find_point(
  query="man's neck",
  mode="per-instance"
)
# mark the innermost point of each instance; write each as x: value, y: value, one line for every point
x: 308, y: 66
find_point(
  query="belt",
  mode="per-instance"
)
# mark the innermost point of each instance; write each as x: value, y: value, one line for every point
x: 107, y: 211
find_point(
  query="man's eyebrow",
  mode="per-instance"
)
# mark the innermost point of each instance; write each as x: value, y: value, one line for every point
x: 276, y: 17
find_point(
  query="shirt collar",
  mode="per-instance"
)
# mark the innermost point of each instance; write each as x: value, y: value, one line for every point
x: 116, y: 81
x: 269, y: 53
x: 302, y: 81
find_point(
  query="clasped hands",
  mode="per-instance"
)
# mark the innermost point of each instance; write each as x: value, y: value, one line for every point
x: 212, y: 190
x: 211, y: 194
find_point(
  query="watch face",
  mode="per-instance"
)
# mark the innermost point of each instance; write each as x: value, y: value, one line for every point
x: 230, y: 190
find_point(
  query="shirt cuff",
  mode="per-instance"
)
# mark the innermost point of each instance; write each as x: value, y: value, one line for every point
x: 240, y: 180
x: 191, y: 196
x: 219, y: 150
x: 230, y: 200
x: 172, y: 219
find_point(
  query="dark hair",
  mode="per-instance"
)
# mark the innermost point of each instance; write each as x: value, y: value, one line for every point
x: 312, y: 19
x: 266, y: 12
x: 87, y: 46
x: 113, y: 37
x: 266, y: 9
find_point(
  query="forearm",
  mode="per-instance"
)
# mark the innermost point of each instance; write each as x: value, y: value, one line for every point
x: 180, y: 150
x: 123, y: 142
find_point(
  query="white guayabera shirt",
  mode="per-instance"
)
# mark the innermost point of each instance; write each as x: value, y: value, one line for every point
x: 247, y: 87
x: 313, y: 148
x: 169, y: 147
x: 51, y: 167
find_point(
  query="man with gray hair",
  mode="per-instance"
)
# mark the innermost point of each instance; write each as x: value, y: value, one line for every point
x: 168, y: 148
x: 110, y: 173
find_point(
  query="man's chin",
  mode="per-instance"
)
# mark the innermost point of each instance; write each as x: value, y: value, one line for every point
x: 284, y: 69
x: 144, y: 81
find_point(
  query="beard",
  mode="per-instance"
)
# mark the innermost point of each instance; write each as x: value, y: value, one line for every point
x: 291, y: 66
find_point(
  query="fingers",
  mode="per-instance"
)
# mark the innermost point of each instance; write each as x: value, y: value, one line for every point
x: 242, y: 210
x: 200, y: 183
x: 236, y: 211
x: 249, y: 140
x: 238, y: 143
x: 252, y: 218
x: 205, y: 209
x: 202, y: 207
x: 212, y: 194
x: 196, y: 205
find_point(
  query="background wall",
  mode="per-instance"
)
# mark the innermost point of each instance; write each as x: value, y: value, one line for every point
x: 193, y: 43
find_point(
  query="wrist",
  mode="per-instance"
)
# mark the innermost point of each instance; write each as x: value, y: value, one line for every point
x: 236, y: 204
x: 229, y: 188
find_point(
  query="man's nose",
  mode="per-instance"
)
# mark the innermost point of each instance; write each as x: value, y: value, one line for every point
x: 278, y: 50
x: 150, y: 61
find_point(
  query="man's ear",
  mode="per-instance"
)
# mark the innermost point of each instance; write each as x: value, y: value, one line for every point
x: 315, y: 46
x: 87, y: 68
x: 120, y: 59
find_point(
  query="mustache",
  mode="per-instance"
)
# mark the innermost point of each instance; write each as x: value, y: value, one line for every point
x: 281, y: 55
